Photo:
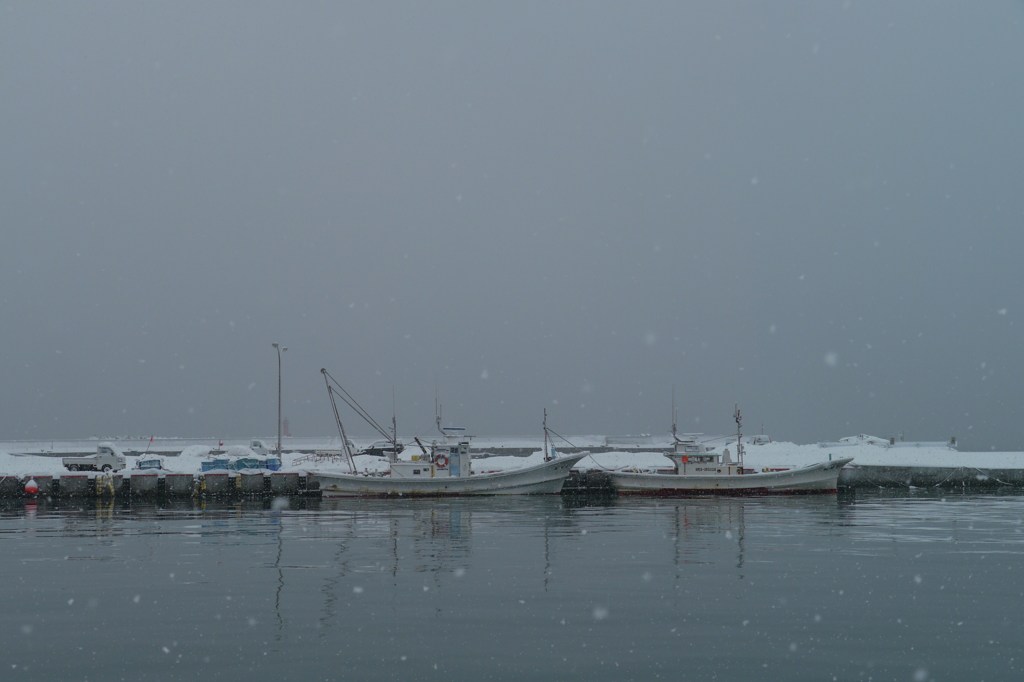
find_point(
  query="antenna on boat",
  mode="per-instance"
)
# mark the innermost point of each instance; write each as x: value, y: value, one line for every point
x: 437, y: 412
x: 674, y: 436
x: 547, y: 450
x: 739, y: 437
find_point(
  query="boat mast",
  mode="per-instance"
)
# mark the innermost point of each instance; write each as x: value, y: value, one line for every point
x: 393, y: 457
x: 334, y: 388
x: 337, y: 420
x: 739, y: 437
x: 549, y: 442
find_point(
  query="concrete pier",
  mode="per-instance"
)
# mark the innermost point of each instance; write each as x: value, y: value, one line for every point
x: 215, y: 483
x: 143, y: 484
x: 152, y: 484
x: 179, y: 485
x: 284, y: 482
x: 251, y: 482
x: 10, y: 485
x: 852, y: 477
x: 258, y: 483
x: 75, y: 485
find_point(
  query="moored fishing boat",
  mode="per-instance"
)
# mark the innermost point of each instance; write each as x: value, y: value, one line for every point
x: 700, y: 470
x: 442, y: 469
x: 447, y: 471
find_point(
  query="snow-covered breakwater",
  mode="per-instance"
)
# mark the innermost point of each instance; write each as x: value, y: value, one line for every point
x: 876, y: 463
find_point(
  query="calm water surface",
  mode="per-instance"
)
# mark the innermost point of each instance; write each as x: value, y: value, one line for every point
x: 860, y: 587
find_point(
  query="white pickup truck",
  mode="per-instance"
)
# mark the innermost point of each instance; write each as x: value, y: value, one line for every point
x: 259, y: 447
x: 107, y: 458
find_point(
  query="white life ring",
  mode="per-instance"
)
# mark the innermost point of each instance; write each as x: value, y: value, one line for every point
x: 441, y: 461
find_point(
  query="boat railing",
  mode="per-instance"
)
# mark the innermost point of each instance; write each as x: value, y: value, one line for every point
x: 321, y: 456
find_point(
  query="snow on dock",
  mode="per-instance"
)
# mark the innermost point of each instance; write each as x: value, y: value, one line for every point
x: 877, y: 462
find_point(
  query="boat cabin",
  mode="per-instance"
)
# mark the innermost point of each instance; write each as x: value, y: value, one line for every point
x: 690, y: 456
x: 447, y: 459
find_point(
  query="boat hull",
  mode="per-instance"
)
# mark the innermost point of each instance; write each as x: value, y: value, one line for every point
x: 541, y: 479
x: 813, y: 479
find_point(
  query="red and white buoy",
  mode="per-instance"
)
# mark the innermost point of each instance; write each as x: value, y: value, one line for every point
x: 31, y: 487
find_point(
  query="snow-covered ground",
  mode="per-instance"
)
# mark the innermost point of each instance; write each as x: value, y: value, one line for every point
x: 40, y: 458
x: 866, y: 451
x: 870, y: 451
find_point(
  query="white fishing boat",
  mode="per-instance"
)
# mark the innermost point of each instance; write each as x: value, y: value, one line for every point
x: 442, y: 469
x: 700, y: 470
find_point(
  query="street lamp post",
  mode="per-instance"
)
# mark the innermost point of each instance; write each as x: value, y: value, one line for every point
x: 280, y: 349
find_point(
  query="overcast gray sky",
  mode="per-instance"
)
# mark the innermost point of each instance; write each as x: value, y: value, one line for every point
x: 813, y: 209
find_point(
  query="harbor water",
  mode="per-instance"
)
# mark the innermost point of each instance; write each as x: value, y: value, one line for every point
x: 860, y: 586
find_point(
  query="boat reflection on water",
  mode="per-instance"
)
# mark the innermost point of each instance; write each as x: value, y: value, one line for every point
x: 705, y: 531
x: 431, y: 536
x: 411, y: 558
x: 434, y: 533
x: 700, y: 525
x: 514, y: 588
